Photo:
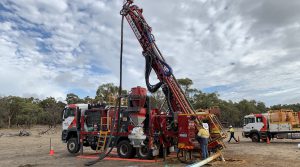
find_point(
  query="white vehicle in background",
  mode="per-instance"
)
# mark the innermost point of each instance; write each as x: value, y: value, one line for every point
x: 69, y: 116
x: 280, y: 124
x: 81, y: 125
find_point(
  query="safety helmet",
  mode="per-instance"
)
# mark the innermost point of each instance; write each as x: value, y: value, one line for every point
x: 205, y: 126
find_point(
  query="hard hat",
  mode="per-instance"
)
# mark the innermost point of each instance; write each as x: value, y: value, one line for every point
x: 205, y: 126
x: 230, y: 126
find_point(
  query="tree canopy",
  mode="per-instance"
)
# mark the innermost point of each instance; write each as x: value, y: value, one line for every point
x: 28, y: 111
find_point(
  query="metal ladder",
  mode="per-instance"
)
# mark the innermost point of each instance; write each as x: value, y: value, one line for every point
x: 218, y: 124
x: 105, y: 123
x: 101, y: 141
x: 103, y: 133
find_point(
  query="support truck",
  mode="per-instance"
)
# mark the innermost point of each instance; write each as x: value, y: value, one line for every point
x: 280, y: 124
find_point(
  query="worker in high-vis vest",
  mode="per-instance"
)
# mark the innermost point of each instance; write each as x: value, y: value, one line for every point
x: 202, y: 138
x: 231, y: 130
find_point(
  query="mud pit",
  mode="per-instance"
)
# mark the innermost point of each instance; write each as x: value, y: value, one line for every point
x: 33, y: 150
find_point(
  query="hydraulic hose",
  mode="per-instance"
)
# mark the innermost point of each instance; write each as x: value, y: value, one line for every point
x: 167, y: 93
x: 117, y: 106
x: 148, y: 68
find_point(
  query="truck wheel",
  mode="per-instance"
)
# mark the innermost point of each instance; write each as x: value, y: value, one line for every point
x: 144, y: 152
x: 125, y: 149
x: 255, y: 137
x: 94, y: 147
x: 161, y: 152
x: 73, y: 146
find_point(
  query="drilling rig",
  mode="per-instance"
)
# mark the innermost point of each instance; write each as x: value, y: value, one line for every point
x: 145, y: 132
x: 180, y: 111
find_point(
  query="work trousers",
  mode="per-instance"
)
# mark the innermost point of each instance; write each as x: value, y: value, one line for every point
x: 203, y: 143
x: 232, y: 136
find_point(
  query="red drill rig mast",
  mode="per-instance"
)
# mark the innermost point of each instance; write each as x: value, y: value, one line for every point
x: 157, y: 129
x: 176, y: 99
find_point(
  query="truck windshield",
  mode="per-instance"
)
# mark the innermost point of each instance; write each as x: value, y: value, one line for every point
x: 69, y: 112
x: 249, y: 120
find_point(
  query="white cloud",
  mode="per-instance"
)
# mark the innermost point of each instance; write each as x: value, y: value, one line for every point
x: 54, y: 47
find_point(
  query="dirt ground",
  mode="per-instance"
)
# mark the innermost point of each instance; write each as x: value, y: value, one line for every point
x: 33, y: 150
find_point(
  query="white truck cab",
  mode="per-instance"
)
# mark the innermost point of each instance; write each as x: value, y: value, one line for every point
x: 69, y: 115
x: 252, y: 122
x: 280, y: 124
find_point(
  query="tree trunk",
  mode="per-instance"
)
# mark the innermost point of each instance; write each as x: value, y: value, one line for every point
x: 53, y: 119
x: 9, y: 119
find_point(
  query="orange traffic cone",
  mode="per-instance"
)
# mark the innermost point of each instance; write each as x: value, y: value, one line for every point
x: 268, y: 140
x: 51, y: 151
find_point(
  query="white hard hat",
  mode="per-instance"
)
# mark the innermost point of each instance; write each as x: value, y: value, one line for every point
x: 205, y: 126
x: 230, y: 126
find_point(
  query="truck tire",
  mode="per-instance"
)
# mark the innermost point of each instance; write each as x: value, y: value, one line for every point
x: 94, y: 147
x: 255, y: 137
x: 125, y: 149
x: 73, y: 145
x: 144, y: 152
x: 161, y: 152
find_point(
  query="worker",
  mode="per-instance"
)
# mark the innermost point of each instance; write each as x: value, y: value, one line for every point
x: 202, y: 138
x: 231, y: 130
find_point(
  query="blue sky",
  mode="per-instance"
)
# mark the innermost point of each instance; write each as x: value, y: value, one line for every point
x: 241, y: 49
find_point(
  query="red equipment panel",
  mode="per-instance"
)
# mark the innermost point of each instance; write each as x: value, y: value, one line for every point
x: 186, y: 131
